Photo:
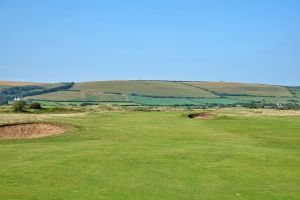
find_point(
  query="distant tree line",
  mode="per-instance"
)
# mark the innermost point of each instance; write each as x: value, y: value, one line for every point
x: 9, y: 94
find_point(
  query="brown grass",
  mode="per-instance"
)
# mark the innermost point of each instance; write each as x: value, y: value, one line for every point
x: 14, y: 83
x: 31, y: 130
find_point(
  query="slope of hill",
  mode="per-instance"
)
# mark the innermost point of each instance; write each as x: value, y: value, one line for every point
x: 226, y: 88
x: 162, y: 93
x: 145, y: 88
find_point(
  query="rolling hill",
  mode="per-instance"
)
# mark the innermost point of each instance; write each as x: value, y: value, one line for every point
x: 155, y: 93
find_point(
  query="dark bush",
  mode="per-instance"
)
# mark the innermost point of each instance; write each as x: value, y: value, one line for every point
x: 35, y: 105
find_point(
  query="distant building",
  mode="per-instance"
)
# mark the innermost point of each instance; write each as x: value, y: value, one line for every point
x: 17, y: 98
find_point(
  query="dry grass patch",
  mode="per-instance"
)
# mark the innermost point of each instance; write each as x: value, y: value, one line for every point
x: 14, y: 83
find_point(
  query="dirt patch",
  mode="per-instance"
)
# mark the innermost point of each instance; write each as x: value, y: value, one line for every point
x: 29, y: 130
x: 201, y: 116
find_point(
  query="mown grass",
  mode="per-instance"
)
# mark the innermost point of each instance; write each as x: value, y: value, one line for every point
x: 243, y: 88
x: 149, y: 88
x: 138, y: 155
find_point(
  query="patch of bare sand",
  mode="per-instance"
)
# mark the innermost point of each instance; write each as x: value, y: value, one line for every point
x: 32, y: 130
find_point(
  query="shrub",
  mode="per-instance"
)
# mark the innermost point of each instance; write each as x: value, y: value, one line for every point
x: 35, y: 105
x: 19, y: 105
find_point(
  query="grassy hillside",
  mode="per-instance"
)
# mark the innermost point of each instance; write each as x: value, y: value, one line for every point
x: 154, y: 155
x: 79, y: 96
x: 243, y: 89
x: 148, y: 88
x: 166, y: 93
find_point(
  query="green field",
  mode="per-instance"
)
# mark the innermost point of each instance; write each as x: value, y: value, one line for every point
x: 155, y: 155
x: 266, y: 99
x: 224, y: 101
x: 181, y: 101
x: 295, y: 91
x: 160, y: 101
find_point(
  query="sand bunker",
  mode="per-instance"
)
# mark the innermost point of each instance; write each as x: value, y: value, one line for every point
x: 29, y: 130
x: 201, y: 116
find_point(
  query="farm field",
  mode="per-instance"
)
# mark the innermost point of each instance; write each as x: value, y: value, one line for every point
x: 243, y: 88
x: 295, y: 91
x: 15, y: 83
x: 180, y: 101
x: 266, y: 99
x: 149, y: 88
x: 160, y: 101
x: 69, y: 95
x: 241, y: 154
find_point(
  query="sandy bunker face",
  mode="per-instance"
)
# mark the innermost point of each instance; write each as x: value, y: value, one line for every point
x: 29, y: 130
x: 201, y: 116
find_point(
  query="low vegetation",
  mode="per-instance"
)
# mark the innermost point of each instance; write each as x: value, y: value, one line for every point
x: 19, y: 106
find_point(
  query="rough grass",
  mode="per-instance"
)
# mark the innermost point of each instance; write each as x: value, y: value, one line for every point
x: 155, y: 156
x: 150, y: 88
x: 243, y: 88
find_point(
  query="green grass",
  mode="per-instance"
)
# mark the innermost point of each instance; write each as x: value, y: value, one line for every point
x: 155, y: 156
x: 224, y: 101
x: 243, y: 88
x: 3, y: 87
x: 160, y: 101
x: 295, y: 91
x: 266, y: 99
x: 180, y: 101
x: 48, y: 103
x: 150, y: 88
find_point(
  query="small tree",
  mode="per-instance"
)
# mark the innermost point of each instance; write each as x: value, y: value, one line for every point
x: 19, y: 105
x: 35, y: 105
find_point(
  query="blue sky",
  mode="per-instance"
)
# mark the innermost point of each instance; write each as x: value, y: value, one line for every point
x: 212, y: 40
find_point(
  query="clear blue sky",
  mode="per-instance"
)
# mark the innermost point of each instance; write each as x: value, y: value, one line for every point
x: 229, y: 40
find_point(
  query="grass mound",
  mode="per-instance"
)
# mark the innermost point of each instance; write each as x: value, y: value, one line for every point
x: 29, y: 130
x: 201, y: 116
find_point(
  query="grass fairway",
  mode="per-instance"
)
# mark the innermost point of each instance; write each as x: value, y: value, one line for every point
x: 155, y: 155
